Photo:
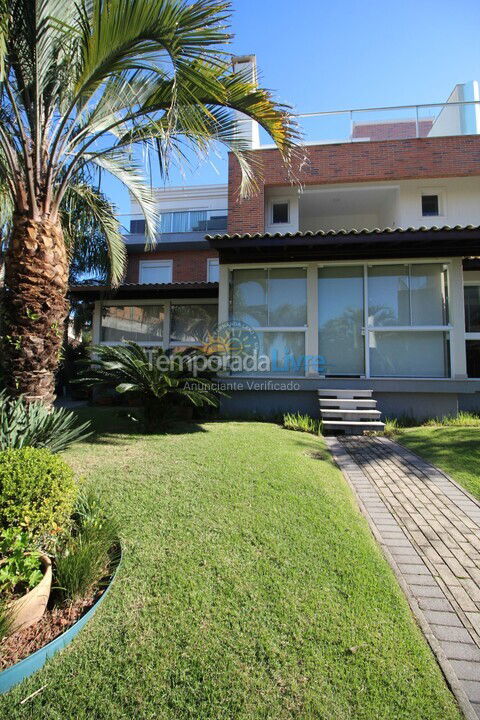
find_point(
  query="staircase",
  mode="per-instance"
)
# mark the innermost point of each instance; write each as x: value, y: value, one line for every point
x: 352, y: 411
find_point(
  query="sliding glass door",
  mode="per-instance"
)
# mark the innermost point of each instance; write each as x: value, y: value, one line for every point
x: 384, y: 320
x: 341, y: 343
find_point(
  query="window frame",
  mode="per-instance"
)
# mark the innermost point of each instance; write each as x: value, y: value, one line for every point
x: 167, y: 304
x: 279, y: 201
x: 311, y: 337
x: 143, y: 264
x: 470, y: 335
x: 442, y: 201
x: 216, y: 263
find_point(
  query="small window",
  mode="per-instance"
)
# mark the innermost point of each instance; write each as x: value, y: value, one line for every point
x: 212, y: 270
x: 279, y: 213
x: 155, y: 271
x: 430, y: 205
x: 472, y: 308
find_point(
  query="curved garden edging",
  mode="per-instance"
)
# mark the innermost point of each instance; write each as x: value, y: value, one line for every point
x: 20, y: 671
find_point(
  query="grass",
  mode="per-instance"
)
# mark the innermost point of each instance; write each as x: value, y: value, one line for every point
x: 250, y: 589
x: 454, y: 448
x: 302, y: 423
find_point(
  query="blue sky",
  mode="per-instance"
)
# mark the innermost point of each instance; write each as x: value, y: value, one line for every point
x: 319, y: 55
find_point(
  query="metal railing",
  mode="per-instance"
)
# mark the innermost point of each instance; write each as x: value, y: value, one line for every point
x: 179, y: 222
x: 389, y: 123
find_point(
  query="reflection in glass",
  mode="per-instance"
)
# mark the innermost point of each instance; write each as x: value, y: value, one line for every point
x: 388, y: 295
x: 340, y: 320
x: 192, y: 323
x: 472, y: 308
x: 270, y: 298
x: 140, y: 323
x: 249, y: 299
x: 428, y: 294
x: 409, y: 354
x: 287, y: 297
x: 286, y: 351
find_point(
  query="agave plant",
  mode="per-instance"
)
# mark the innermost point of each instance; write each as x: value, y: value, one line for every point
x: 34, y: 425
x: 159, y: 378
x: 103, y: 86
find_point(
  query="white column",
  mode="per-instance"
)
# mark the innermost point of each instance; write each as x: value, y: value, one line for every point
x: 457, y: 320
x: 223, y: 294
x: 311, y: 336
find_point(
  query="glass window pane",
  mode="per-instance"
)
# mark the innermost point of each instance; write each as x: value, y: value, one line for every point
x: 388, y: 295
x: 280, y: 213
x: 340, y: 320
x: 198, y: 221
x: 249, y: 298
x: 191, y: 323
x: 472, y: 308
x: 180, y: 222
x: 427, y: 294
x: 213, y: 271
x: 408, y: 354
x: 152, y: 272
x: 140, y: 323
x: 473, y: 358
x: 286, y: 351
x: 166, y: 222
x: 430, y: 205
x: 287, y: 297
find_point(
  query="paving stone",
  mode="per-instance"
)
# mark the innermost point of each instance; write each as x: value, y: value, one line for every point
x: 451, y: 632
x: 431, y: 603
x: 431, y: 528
x: 460, y: 651
x: 432, y: 591
x: 466, y: 670
x: 417, y: 568
x: 472, y: 689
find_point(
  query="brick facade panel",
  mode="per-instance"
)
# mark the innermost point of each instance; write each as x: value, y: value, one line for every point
x: 188, y: 265
x: 444, y: 157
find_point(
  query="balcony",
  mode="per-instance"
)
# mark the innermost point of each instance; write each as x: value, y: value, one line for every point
x: 459, y: 115
x: 178, y: 226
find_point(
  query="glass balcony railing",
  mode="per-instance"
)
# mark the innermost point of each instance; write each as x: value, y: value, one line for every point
x: 207, y: 222
x: 388, y: 123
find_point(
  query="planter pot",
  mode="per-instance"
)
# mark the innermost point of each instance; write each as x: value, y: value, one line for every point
x: 24, y: 668
x: 28, y: 610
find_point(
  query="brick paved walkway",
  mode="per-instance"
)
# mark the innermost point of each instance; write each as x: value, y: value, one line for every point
x: 430, y: 529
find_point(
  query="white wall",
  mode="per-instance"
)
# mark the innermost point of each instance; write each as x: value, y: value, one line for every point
x: 459, y: 200
x: 195, y: 197
x: 398, y: 205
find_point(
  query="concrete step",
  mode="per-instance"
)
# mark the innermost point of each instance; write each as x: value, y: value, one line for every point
x: 349, y: 414
x: 352, y: 426
x: 347, y: 403
x: 349, y: 394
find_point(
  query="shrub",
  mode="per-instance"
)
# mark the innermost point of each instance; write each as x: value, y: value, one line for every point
x: 34, y: 425
x: 37, y: 491
x: 158, y: 378
x: 88, y: 554
x: 302, y: 423
x: 20, y: 564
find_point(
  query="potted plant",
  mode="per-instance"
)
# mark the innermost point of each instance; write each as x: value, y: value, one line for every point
x: 25, y: 578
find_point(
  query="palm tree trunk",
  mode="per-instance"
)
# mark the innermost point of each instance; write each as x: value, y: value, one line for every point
x: 36, y: 279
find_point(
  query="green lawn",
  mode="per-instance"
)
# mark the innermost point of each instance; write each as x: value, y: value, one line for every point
x: 454, y: 449
x: 250, y: 589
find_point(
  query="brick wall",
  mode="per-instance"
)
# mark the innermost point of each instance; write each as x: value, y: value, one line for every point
x: 188, y: 265
x: 457, y: 156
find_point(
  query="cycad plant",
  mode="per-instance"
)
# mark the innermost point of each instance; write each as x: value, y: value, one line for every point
x: 158, y: 378
x: 100, y: 85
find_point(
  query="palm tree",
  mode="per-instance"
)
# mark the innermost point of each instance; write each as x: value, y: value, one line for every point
x: 102, y: 85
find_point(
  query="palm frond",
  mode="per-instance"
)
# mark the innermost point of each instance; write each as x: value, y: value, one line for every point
x: 104, y: 217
